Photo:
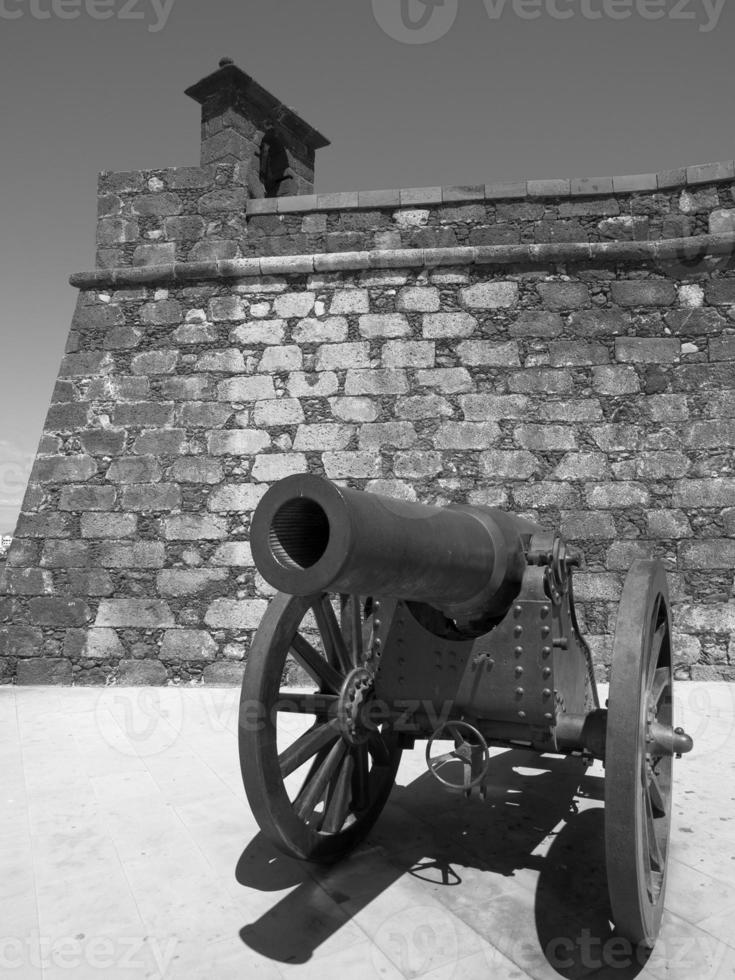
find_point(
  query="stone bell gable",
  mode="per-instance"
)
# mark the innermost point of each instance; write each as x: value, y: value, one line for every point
x: 564, y: 348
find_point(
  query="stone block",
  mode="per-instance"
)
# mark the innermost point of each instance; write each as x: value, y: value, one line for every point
x: 722, y: 221
x: 141, y: 673
x: 545, y: 437
x: 543, y: 495
x: 379, y: 381
x: 58, y: 611
x: 615, y: 380
x: 607, y: 496
x: 153, y: 255
x: 582, y: 466
x: 229, y: 361
x: 645, y: 292
x: 28, y: 581
x: 89, y: 582
x: 277, y: 412
x: 331, y: 330
x: 422, y: 407
x: 350, y: 301
x: 587, y: 525
x: 575, y: 353
x: 141, y: 613
x: 154, y: 443
x: 720, y: 292
x: 269, y: 467
x: 358, y: 465
x: 408, y: 353
x: 335, y: 357
x: 246, y: 389
x: 418, y: 299
x: 259, y: 332
x: 227, y: 200
x: 236, y: 497
x: 202, y: 415
x: 563, y: 296
x: 184, y: 645
x: 664, y: 524
x: 352, y: 409
x: 189, y: 581
x: 227, y: 308
x: 379, y: 435
x: 447, y: 380
x: 96, y: 525
x: 103, y: 442
x: 161, y: 312
x: 466, y: 435
x: 237, y: 442
x: 377, y: 325
x: 417, y: 464
x: 508, y: 464
x: 63, y: 469
x: 67, y: 416
x: 122, y: 338
x: 134, y: 469
x: 489, y: 352
x: 489, y: 295
x: 312, y: 385
x: 142, y: 413
x: 93, y: 644
x: 322, y: 436
x: 294, y: 304
x: 84, y: 498
x: 281, y: 358
x: 722, y: 349
x: 236, y: 554
x: 150, y: 497
x: 537, y: 323
x: 235, y: 614
x: 130, y: 554
x: 481, y: 408
x: 43, y: 670
x: 540, y: 381
x: 650, y: 350
x: 195, y: 527
x: 439, y: 325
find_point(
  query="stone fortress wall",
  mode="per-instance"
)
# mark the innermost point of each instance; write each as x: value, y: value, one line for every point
x: 565, y: 348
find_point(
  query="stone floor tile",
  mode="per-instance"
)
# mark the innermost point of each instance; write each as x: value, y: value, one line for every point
x: 360, y: 962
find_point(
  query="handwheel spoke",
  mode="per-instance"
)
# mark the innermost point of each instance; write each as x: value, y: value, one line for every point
x: 439, y: 760
x: 329, y: 628
x: 306, y: 746
x: 310, y: 704
x: 339, y: 802
x: 315, y: 665
x: 360, y: 796
x: 317, y: 783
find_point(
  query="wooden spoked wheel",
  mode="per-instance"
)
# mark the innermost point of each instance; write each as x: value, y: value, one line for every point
x: 316, y: 765
x: 637, y: 769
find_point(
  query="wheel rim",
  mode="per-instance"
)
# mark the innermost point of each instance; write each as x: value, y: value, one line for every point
x: 314, y: 796
x: 638, y: 781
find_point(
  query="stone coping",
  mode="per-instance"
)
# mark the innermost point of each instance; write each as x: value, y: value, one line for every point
x: 668, y: 249
x: 503, y: 190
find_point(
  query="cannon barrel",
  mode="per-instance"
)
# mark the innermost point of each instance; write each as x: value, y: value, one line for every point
x: 309, y: 535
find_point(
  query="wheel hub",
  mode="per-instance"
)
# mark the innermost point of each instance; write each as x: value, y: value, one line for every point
x: 358, y: 688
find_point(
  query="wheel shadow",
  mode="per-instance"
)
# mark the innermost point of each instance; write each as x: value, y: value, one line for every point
x: 464, y: 852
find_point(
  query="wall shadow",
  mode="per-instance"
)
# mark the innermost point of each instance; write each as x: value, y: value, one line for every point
x: 464, y: 849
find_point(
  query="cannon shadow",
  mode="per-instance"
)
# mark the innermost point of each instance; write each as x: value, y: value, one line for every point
x: 524, y: 868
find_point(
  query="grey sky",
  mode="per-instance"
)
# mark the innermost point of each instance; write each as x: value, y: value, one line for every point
x: 497, y: 96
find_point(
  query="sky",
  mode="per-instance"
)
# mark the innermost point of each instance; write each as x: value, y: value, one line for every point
x: 410, y: 92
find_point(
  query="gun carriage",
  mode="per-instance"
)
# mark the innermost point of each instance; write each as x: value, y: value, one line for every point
x: 447, y: 624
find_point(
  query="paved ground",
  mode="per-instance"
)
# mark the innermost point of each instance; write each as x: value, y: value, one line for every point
x: 127, y: 850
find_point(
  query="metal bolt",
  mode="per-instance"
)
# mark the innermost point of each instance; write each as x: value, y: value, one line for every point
x: 546, y: 652
x: 519, y: 692
x: 518, y: 651
x: 544, y: 610
x: 546, y: 692
x: 376, y: 624
x: 377, y: 643
x: 546, y: 672
x: 518, y: 610
x: 519, y: 671
x: 548, y: 716
x: 545, y: 630
x: 521, y: 714
x: 517, y: 630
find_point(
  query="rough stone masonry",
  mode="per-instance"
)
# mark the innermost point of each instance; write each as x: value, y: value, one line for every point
x: 565, y: 348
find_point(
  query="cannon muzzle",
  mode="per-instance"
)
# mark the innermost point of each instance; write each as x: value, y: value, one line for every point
x: 309, y: 535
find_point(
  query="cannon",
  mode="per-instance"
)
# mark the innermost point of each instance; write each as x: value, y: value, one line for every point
x: 395, y: 621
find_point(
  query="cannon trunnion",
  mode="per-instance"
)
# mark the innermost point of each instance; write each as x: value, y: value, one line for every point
x: 396, y: 621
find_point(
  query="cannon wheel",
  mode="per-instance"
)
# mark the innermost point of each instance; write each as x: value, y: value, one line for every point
x: 349, y: 768
x: 638, y: 783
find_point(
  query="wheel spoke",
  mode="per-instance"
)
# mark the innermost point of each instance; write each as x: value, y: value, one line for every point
x: 339, y: 802
x: 656, y: 644
x: 360, y: 795
x: 310, y: 704
x: 655, y: 860
x: 307, y: 745
x: 439, y: 760
x: 315, y: 665
x: 661, y: 680
x: 378, y: 749
x: 658, y: 801
x: 352, y: 627
x: 315, y: 786
x: 333, y: 639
